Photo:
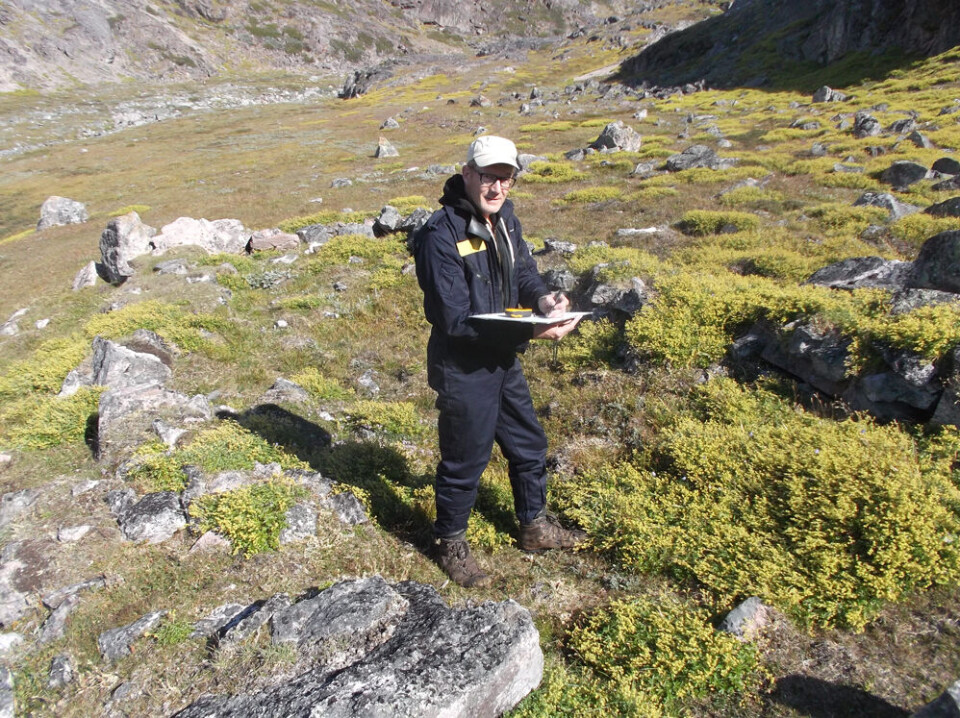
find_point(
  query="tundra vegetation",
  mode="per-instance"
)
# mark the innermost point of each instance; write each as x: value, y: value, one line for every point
x: 697, y: 488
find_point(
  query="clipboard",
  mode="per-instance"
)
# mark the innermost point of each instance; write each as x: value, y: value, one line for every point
x: 533, y: 319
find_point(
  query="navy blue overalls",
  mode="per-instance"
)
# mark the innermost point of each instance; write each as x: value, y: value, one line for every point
x: 482, y: 394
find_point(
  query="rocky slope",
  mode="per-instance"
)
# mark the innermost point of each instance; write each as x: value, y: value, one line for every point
x: 60, y: 43
x: 755, y: 40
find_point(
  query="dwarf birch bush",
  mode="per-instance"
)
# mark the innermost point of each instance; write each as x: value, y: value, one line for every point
x: 749, y: 495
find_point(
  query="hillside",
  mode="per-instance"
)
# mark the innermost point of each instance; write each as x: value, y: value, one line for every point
x: 58, y: 44
x: 216, y: 468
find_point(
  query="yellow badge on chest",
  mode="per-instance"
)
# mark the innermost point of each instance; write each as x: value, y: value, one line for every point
x: 471, y: 245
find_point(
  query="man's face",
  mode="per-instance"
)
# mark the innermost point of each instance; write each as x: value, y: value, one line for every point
x: 489, y: 197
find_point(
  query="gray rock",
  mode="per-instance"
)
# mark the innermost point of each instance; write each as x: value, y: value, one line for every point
x: 825, y: 94
x: 9, y: 643
x: 301, y: 520
x: 13, y: 603
x: 816, y: 357
x: 920, y: 140
x: 86, y: 277
x: 575, y: 155
x: 245, y: 624
x: 818, y: 149
x: 889, y: 397
x: 55, y: 626
x: 169, y: 435
x: 119, y: 368
x: 72, y: 534
x: 217, y: 619
x: 58, y: 211
x: 903, y: 127
x: 477, y: 661
x: 947, y: 208
x: 848, y: 169
x: 368, y: 383
x: 61, y: 672
x: 343, y: 623
x: 285, y: 390
x: 746, y: 620
x: 695, y: 156
x: 154, y: 518
x: 390, y: 124
x: 7, y: 705
x: 948, y: 408
x: 115, y: 643
x: 618, y: 136
x: 120, y: 501
x: 171, y: 266
x: 903, y: 173
x: 555, y: 246
x: 947, y: 166
x: 947, y: 705
x: 341, y: 182
x: 887, y: 201
x: 947, y: 185
x: 388, y: 221
x: 937, y: 265
x: 14, y: 503
x: 863, y: 272
x: 385, y: 149
x: 145, y: 341
x: 906, y: 300
x: 54, y: 599
x: 124, y: 239
x: 562, y: 279
x: 347, y: 507
x: 264, y: 240
x: 866, y: 125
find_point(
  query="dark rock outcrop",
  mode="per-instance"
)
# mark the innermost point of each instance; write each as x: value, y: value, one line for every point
x: 367, y: 639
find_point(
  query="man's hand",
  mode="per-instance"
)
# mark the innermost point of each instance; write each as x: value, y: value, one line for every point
x: 553, y: 304
x: 555, y: 331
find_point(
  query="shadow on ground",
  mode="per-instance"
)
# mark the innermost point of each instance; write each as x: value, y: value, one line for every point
x: 817, y: 698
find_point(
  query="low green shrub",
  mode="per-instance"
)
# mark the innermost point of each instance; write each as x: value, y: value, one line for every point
x: 328, y: 216
x: 700, y: 222
x: 405, y: 205
x: 251, y: 517
x: 838, y: 219
x: 748, y: 495
x: 321, y: 386
x: 749, y: 195
x: 594, y: 344
x: 664, y: 649
x: 381, y: 253
x: 45, y: 370
x: 397, y: 419
x: 41, y: 422
x: 915, y: 229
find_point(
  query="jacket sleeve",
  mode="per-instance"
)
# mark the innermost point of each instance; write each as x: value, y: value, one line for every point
x: 446, y: 296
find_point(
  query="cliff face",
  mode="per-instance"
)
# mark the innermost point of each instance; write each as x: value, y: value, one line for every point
x: 755, y: 38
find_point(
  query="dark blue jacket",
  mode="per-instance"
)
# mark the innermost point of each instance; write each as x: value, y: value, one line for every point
x: 462, y: 273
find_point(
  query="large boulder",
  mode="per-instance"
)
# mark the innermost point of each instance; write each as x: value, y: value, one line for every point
x: 154, y: 518
x: 826, y: 94
x: 946, y: 166
x: 617, y: 136
x: 947, y: 208
x: 117, y: 367
x: 866, y: 125
x: 124, y: 239
x: 815, y: 356
x: 937, y: 265
x: 904, y: 173
x: 220, y: 236
x: 57, y: 211
x: 697, y: 156
x: 477, y: 661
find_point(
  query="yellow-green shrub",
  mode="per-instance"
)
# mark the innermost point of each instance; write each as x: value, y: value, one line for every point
x: 339, y: 250
x: 224, y: 446
x: 46, y: 369
x: 405, y: 205
x: 749, y: 195
x: 174, y: 323
x: 47, y: 421
x: 835, y: 218
x: 622, y: 262
x: 328, y: 216
x: 395, y: 418
x: 702, y: 221
x: 592, y: 194
x: 752, y: 496
x: 251, y: 517
x: 918, y: 228
x: 592, y: 345
x: 665, y: 649
x: 320, y: 386
x: 552, y: 173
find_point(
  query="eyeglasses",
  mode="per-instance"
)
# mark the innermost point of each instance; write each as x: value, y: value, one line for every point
x: 488, y: 180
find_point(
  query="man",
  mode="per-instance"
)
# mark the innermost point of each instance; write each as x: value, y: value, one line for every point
x: 471, y: 259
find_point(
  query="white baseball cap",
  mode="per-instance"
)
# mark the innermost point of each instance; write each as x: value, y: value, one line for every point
x: 491, y: 150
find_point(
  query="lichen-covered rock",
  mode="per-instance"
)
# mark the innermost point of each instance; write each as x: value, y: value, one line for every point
x: 863, y: 272
x: 117, y: 367
x: 477, y: 661
x: 124, y: 239
x: 115, y: 643
x: 154, y: 518
x: 618, y: 136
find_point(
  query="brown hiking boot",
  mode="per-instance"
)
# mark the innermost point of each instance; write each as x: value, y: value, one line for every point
x: 455, y: 559
x: 545, y: 532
